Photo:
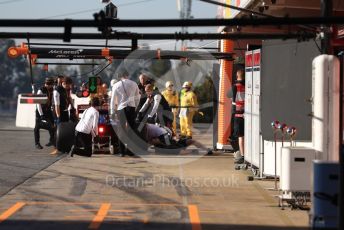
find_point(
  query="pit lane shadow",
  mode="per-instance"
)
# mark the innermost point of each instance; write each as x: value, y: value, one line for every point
x: 131, y: 225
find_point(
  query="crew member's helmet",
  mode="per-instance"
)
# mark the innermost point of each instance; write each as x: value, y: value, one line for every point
x: 168, y: 84
x: 187, y: 84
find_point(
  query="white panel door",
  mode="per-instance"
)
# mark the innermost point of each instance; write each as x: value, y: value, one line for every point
x: 248, y: 128
x: 256, y: 130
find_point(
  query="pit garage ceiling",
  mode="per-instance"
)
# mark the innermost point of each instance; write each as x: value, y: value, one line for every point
x: 281, y: 8
x: 296, y: 8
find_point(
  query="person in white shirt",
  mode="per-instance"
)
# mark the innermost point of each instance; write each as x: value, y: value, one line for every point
x: 86, y: 129
x: 125, y: 98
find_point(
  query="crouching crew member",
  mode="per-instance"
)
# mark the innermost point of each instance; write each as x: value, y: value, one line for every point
x: 86, y: 129
x: 44, y: 114
x: 161, y: 137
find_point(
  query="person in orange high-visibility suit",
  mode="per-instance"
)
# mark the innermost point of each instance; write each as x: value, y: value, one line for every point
x: 188, y: 108
x: 172, y: 98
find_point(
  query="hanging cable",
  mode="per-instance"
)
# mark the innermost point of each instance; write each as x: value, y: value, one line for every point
x: 202, y: 46
x: 10, y: 1
x: 315, y: 41
x: 104, y: 68
x: 86, y: 73
x: 92, y: 10
x: 308, y: 27
x: 237, y: 8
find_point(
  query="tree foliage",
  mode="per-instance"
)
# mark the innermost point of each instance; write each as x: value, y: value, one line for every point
x: 205, y: 96
x: 14, y: 75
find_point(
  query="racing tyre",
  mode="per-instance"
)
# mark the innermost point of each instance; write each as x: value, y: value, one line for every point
x: 65, y: 136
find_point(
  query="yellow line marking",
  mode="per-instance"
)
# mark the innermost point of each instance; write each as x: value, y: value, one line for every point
x: 194, y: 217
x: 9, y: 212
x: 145, y: 220
x: 54, y: 152
x: 99, y: 218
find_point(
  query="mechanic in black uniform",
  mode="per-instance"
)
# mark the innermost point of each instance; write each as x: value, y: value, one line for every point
x: 63, y: 106
x: 44, y: 114
x: 63, y: 100
x: 238, y: 102
x: 156, y: 109
x: 143, y: 81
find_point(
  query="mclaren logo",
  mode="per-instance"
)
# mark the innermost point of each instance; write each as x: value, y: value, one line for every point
x: 66, y: 52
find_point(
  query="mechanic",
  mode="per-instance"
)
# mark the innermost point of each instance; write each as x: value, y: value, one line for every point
x: 58, y: 81
x: 238, y: 102
x: 156, y: 108
x: 86, y: 129
x: 143, y: 81
x: 63, y: 101
x: 105, y: 94
x: 44, y: 115
x: 161, y: 136
x: 125, y: 98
